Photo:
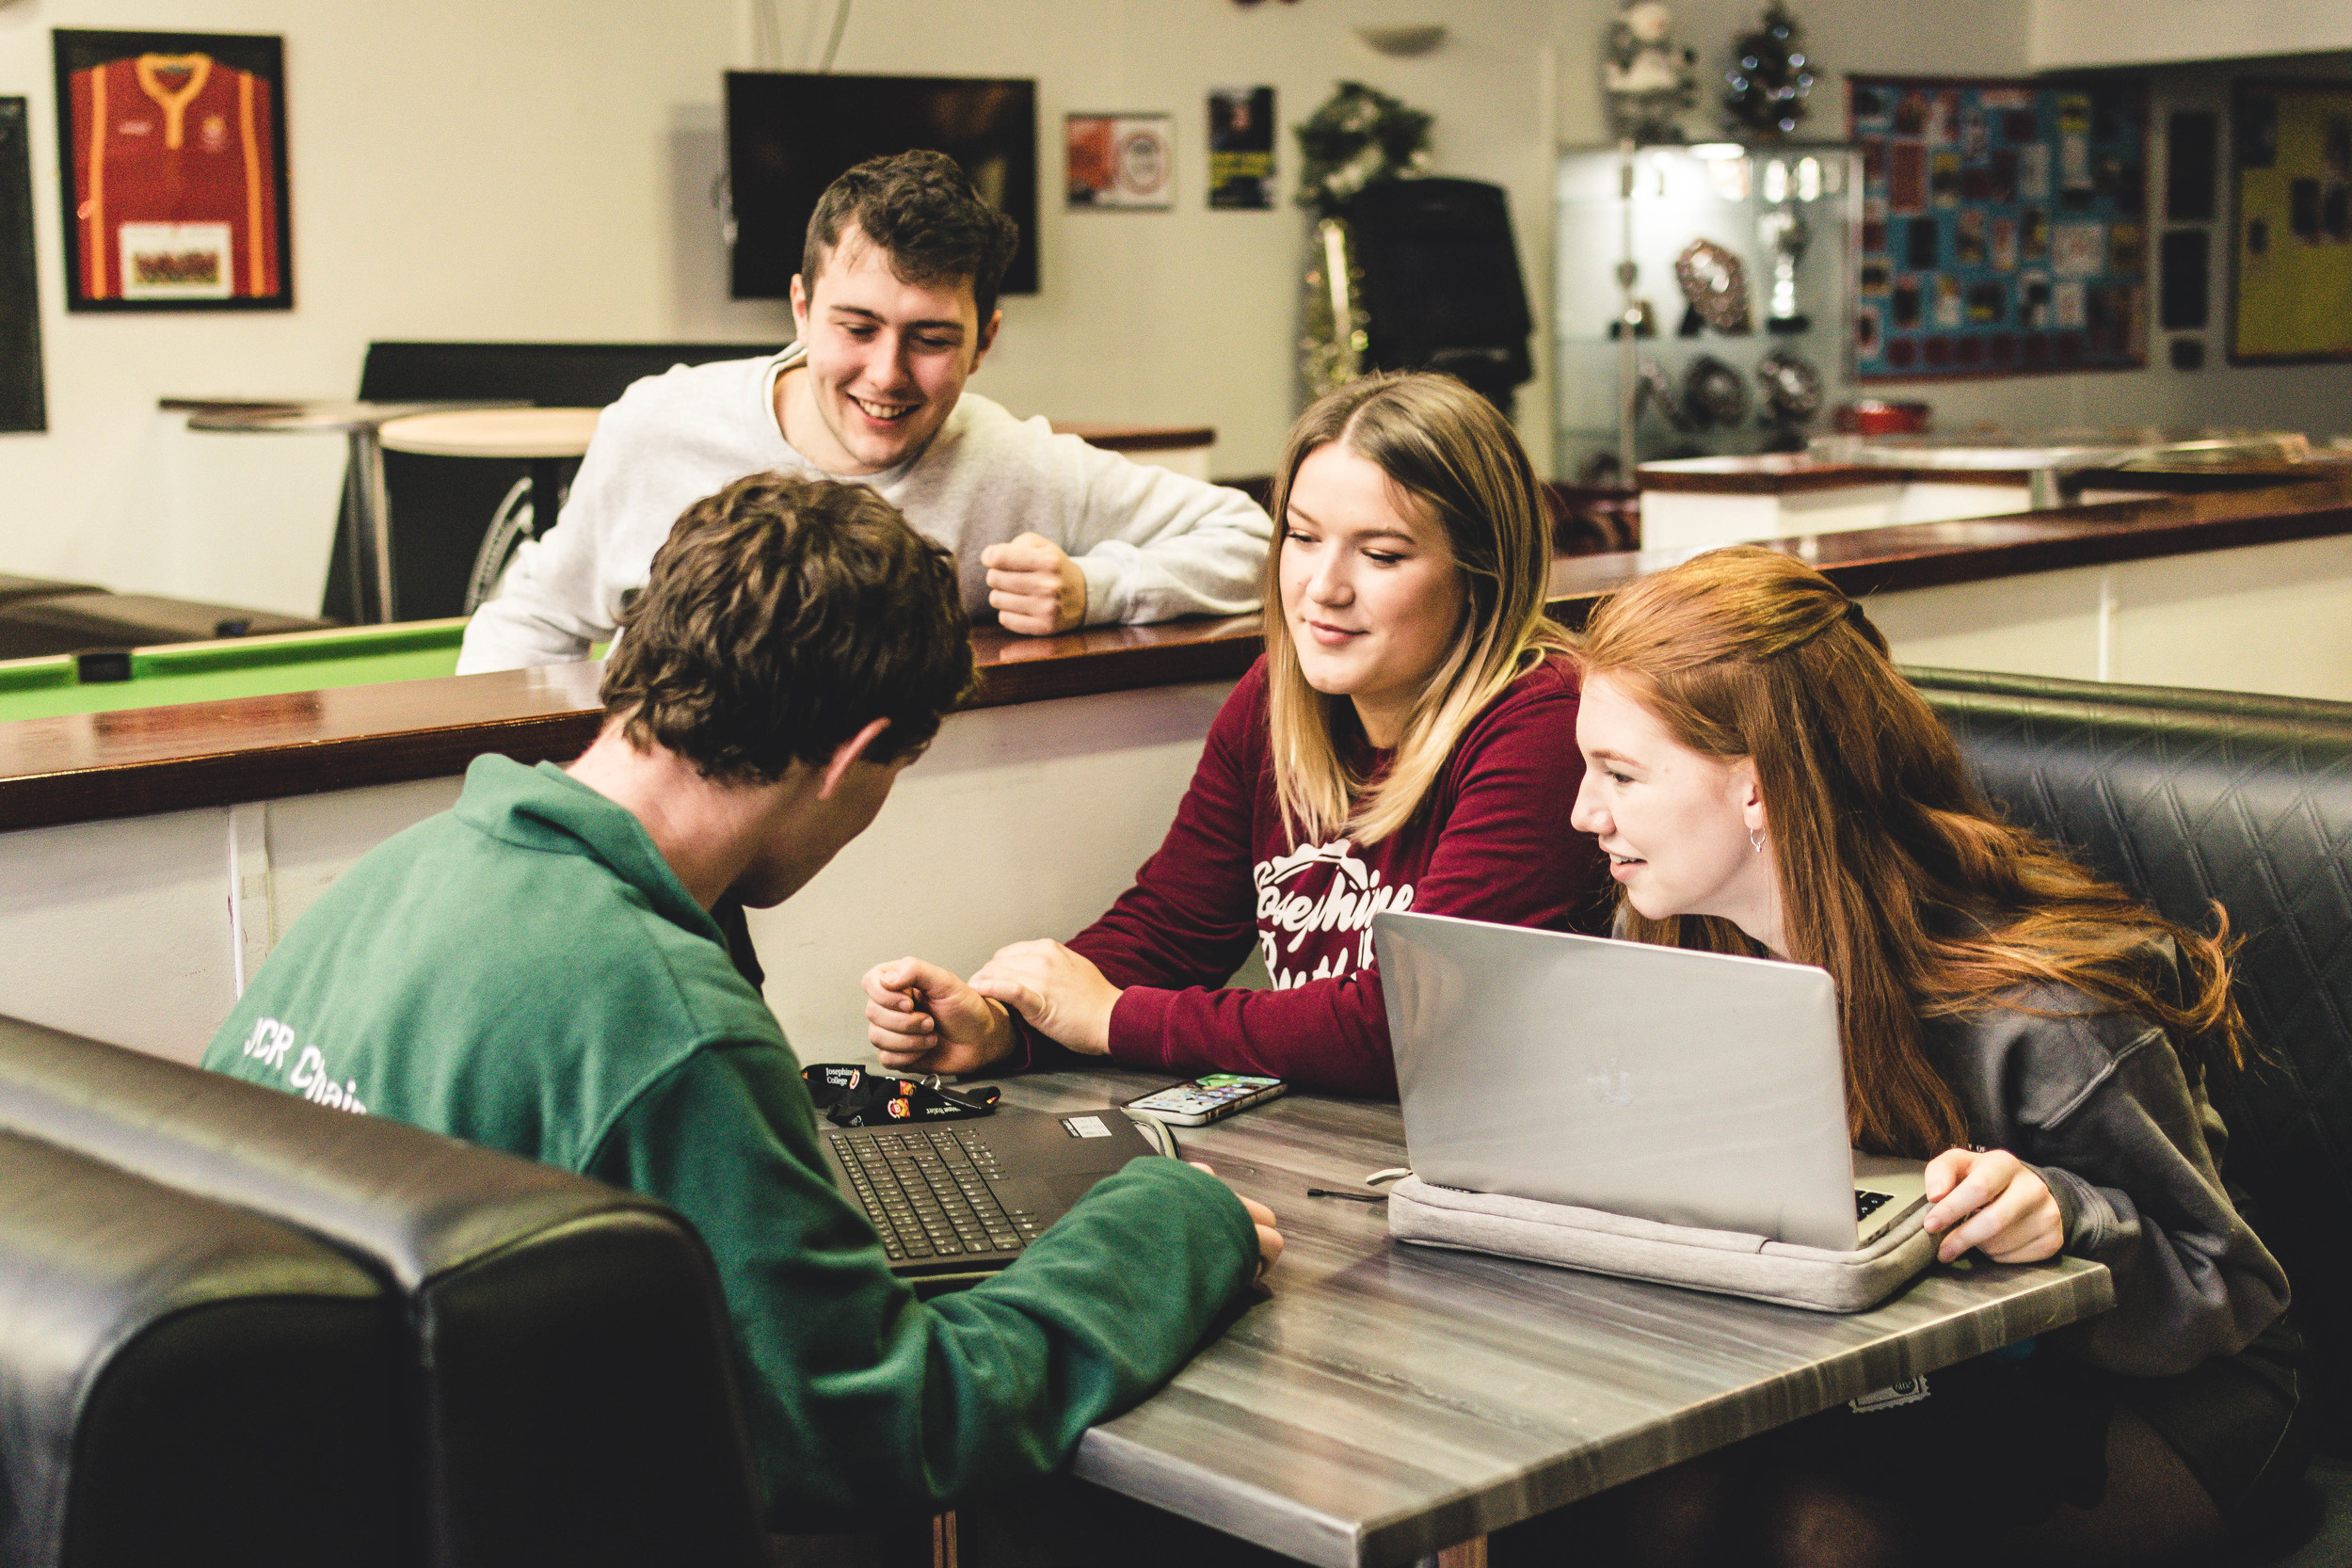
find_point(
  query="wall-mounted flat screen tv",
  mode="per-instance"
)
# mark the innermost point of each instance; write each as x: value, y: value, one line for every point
x: 788, y: 136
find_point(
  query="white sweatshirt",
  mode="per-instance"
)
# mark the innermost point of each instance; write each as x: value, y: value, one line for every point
x: 1153, y: 544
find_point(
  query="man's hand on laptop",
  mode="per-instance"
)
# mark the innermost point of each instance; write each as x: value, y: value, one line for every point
x: 923, y: 1019
x: 1991, y: 1200
x: 1269, y: 1238
x: 1034, y: 587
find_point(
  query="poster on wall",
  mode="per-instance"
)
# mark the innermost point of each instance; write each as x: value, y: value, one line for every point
x: 172, y: 156
x: 2004, y: 226
x: 2292, y: 286
x: 1120, y: 160
x: 22, y: 404
x: 1241, y: 147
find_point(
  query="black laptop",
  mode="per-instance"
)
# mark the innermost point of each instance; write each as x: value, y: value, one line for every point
x: 954, y: 1202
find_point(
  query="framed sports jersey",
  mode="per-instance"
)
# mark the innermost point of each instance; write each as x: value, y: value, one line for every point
x: 174, y: 155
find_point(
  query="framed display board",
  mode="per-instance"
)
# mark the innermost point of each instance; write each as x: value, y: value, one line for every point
x: 2291, y: 289
x: 172, y: 165
x: 22, y: 404
x: 2004, y: 226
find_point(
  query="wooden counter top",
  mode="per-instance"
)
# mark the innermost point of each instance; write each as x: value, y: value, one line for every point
x: 1798, y: 473
x: 92, y: 767
x: 1864, y: 561
x: 1795, y: 474
x: 1137, y: 438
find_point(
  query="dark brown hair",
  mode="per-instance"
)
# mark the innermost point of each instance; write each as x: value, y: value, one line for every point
x: 927, y: 217
x: 1896, y: 875
x: 1449, y: 452
x: 781, y: 616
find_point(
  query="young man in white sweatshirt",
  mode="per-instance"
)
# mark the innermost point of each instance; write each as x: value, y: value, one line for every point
x: 896, y: 306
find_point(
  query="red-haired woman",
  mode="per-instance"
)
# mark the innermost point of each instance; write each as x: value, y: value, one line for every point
x: 1764, y: 782
x: 1407, y: 742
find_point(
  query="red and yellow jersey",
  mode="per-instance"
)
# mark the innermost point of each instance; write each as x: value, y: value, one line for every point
x: 175, y: 179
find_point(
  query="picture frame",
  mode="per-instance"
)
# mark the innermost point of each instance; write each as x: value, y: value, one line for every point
x: 1119, y: 162
x: 172, y: 151
x: 1241, y: 148
x: 2291, y: 222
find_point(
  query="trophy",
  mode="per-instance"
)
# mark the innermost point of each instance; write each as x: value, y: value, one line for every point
x: 1785, y: 234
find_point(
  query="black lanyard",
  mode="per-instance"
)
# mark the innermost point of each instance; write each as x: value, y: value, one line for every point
x: 861, y: 1097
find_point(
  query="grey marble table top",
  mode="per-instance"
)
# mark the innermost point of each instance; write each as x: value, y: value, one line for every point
x: 1389, y: 1400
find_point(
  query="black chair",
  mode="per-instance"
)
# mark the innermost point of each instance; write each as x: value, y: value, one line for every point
x: 184, y: 1381
x: 567, y: 1364
x: 442, y: 506
x: 2183, y: 699
x: 2190, y: 797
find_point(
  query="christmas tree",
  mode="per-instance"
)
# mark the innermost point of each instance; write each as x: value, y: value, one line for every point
x: 1770, y: 76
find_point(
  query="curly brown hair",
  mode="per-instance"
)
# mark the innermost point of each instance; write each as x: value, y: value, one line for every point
x: 783, y: 615
x: 926, y: 215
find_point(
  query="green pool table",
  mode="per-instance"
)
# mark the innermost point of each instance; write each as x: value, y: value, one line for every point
x: 233, y: 668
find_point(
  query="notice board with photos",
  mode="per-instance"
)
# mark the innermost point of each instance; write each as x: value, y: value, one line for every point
x: 2004, y: 226
x: 2292, y: 281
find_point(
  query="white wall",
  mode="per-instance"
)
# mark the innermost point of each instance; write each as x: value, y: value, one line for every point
x: 542, y: 169
x: 2135, y: 32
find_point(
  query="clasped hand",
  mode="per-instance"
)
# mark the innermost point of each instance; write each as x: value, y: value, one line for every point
x: 1991, y: 1200
x: 926, y: 1020
x: 1033, y: 585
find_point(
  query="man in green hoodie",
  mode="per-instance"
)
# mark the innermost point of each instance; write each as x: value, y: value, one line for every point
x: 537, y: 971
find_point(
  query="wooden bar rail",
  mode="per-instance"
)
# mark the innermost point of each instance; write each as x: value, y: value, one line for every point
x: 128, y: 763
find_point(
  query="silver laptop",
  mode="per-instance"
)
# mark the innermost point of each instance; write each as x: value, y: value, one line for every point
x: 1694, y: 1088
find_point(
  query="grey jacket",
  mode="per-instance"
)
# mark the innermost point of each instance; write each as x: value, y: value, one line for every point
x: 2102, y: 1105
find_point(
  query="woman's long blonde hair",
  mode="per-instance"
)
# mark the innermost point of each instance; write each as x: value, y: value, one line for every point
x: 1895, y: 873
x: 1449, y: 450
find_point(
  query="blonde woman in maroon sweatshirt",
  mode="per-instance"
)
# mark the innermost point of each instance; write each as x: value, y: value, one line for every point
x: 1407, y: 742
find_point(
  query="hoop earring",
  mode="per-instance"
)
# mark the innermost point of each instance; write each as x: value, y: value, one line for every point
x: 1755, y: 840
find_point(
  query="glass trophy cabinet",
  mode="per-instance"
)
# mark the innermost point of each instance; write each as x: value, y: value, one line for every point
x: 1704, y: 303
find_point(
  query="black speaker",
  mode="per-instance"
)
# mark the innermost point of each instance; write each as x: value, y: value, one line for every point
x: 22, y: 404
x: 1441, y: 281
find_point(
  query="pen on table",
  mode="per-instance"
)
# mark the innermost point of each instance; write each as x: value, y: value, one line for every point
x: 1356, y: 1197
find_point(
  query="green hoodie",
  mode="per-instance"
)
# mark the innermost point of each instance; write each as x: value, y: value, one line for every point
x: 526, y: 972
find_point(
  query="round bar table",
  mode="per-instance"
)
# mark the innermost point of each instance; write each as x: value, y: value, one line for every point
x: 544, y: 438
x: 366, y: 514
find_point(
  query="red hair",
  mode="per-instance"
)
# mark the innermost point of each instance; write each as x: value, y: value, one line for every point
x: 1896, y: 874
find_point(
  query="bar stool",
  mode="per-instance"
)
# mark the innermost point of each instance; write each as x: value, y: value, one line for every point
x: 544, y: 438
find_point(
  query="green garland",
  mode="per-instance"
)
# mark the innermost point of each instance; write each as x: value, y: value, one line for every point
x: 1358, y: 138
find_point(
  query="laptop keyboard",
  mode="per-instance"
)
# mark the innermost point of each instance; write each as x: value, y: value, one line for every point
x: 926, y: 1190
x: 1867, y: 1203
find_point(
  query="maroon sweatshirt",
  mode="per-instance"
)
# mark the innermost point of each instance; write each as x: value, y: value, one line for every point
x: 1490, y: 842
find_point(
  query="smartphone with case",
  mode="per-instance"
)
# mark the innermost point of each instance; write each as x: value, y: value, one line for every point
x: 1211, y: 1097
